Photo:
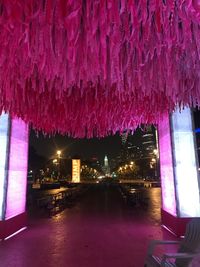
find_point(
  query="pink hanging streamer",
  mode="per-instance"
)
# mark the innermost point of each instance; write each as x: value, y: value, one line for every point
x: 90, y: 68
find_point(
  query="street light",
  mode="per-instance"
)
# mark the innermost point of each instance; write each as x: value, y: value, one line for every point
x: 58, y: 153
x: 155, y: 152
x: 155, y: 160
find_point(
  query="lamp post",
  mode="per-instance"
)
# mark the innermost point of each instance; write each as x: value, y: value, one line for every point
x: 155, y: 152
x: 55, y: 161
x: 55, y: 167
x: 58, y: 152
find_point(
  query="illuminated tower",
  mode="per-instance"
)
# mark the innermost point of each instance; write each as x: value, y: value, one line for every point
x: 106, y: 162
x: 106, y: 167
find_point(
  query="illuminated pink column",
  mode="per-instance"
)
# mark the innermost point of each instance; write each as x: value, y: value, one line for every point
x: 13, y: 175
x: 179, y: 171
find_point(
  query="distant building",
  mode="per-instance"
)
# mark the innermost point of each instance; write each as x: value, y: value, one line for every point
x: 141, y: 148
x: 149, y: 141
x: 140, y: 145
x: 106, y: 162
x: 106, y: 168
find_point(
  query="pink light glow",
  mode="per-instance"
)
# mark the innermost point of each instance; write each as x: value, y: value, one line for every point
x: 166, y: 167
x: 4, y: 128
x: 96, y: 67
x: 185, y: 164
x: 17, y: 177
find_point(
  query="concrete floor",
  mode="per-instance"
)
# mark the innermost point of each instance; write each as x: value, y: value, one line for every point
x: 99, y: 231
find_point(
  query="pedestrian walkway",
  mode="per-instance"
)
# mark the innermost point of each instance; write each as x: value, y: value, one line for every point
x: 99, y: 231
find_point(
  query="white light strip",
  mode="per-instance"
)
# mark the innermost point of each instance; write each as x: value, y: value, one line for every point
x: 164, y: 226
x: 4, y: 127
x: 17, y: 232
x: 185, y: 164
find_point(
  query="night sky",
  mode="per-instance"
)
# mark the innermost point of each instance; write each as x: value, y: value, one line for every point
x: 86, y: 148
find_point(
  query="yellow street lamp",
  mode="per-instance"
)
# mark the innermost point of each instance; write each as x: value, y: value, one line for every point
x: 55, y: 161
x: 58, y: 153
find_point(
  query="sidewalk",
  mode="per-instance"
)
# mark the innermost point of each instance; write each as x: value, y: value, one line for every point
x: 99, y: 231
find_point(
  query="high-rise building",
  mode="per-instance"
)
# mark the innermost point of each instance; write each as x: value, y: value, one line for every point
x: 106, y: 162
x: 141, y: 147
x: 106, y: 167
x: 149, y: 140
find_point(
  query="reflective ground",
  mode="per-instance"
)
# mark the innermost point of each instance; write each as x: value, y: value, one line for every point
x: 101, y: 230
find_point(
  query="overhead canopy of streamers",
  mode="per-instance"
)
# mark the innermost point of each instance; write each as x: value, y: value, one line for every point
x: 94, y: 67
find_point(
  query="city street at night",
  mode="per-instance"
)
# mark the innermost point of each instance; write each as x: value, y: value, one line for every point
x: 100, y: 230
x: 99, y: 133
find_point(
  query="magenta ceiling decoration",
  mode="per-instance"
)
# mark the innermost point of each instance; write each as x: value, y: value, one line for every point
x: 92, y: 67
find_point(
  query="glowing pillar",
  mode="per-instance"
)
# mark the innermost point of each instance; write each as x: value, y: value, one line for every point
x: 179, y: 171
x: 76, y: 170
x: 13, y: 175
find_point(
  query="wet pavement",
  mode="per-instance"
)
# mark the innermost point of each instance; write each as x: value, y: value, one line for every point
x: 101, y: 230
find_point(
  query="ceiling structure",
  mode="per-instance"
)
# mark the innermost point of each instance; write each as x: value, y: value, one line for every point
x: 94, y: 67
